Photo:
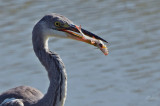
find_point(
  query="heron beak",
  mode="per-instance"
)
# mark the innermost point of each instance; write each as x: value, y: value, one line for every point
x: 77, y: 33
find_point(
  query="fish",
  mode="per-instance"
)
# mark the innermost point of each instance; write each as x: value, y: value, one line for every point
x: 91, y: 40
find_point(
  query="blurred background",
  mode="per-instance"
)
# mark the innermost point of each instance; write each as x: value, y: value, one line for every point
x: 128, y: 76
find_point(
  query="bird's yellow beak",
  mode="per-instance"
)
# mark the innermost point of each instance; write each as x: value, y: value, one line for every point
x: 77, y: 33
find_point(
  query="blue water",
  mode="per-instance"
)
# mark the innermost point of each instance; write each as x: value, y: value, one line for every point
x: 128, y: 76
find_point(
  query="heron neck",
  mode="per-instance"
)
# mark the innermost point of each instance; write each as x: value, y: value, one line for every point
x: 56, y: 93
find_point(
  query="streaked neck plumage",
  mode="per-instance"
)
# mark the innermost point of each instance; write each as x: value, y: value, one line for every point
x: 56, y: 93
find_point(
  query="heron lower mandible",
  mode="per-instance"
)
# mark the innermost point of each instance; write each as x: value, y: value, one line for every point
x: 51, y: 25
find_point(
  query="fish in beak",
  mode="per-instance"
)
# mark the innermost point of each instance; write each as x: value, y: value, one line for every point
x: 77, y: 33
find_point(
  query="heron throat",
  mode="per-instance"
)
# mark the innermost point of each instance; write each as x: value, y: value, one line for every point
x: 55, y: 68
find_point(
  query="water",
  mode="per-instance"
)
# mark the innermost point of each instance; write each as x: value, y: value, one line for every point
x: 128, y: 76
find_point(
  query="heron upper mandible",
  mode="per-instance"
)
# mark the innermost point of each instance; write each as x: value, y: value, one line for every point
x: 51, y: 25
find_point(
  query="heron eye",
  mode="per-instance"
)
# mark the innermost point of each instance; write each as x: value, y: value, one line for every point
x: 57, y: 23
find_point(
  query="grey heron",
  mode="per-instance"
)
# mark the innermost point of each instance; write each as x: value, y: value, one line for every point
x: 51, y: 25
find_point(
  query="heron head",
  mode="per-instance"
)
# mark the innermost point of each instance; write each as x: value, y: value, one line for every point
x: 60, y: 26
